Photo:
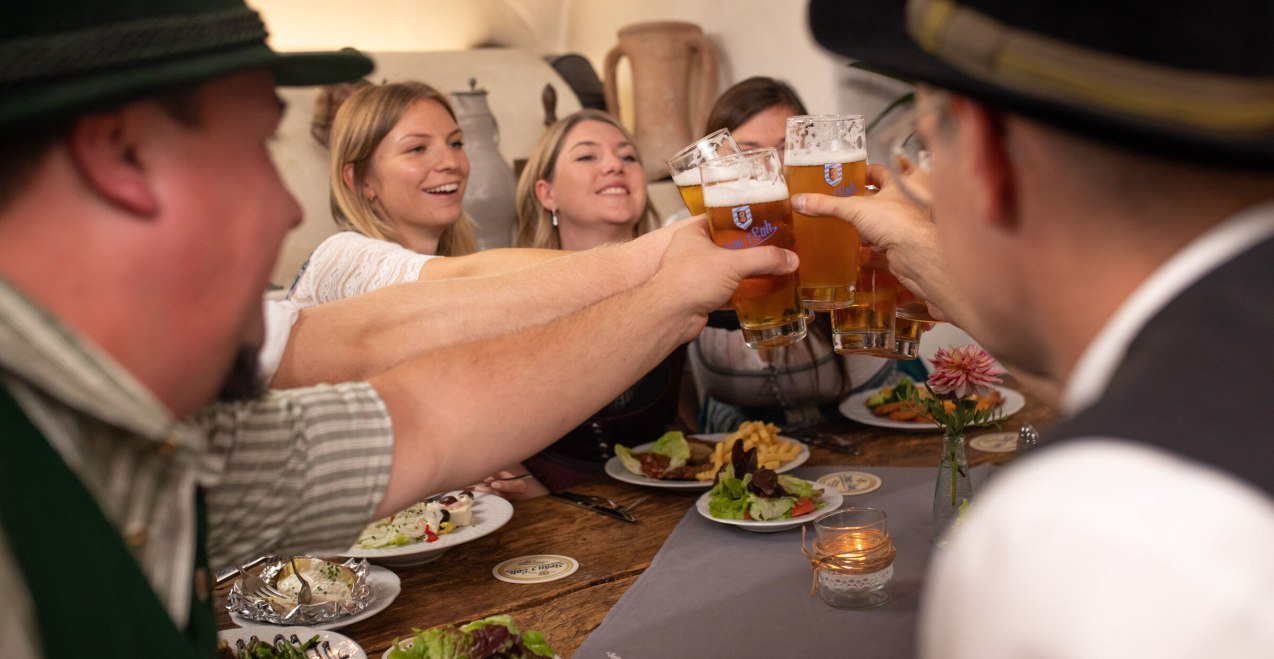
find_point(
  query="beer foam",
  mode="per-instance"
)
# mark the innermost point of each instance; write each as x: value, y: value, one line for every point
x: 818, y: 157
x: 736, y: 193
x: 688, y: 178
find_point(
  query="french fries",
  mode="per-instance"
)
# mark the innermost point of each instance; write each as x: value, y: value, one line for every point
x: 764, y: 437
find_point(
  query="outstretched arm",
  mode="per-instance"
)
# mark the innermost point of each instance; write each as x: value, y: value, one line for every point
x: 462, y: 411
x: 486, y: 262
x: 358, y: 337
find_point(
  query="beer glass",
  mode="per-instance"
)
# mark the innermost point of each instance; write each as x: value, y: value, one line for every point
x: 748, y: 206
x: 911, y: 319
x: 826, y: 154
x: 866, y: 326
x: 685, y: 166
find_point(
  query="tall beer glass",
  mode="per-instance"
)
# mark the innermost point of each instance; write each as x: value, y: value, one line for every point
x: 866, y: 326
x: 748, y: 206
x: 685, y: 166
x: 826, y: 154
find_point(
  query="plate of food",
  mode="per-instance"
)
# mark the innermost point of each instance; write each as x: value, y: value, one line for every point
x: 690, y: 463
x: 336, y: 601
x: 261, y: 641
x: 422, y: 532
x: 887, y: 407
x: 762, y: 500
x: 494, y: 636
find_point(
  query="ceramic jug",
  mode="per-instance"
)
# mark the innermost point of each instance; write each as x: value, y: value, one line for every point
x: 674, y: 74
x: 489, y: 195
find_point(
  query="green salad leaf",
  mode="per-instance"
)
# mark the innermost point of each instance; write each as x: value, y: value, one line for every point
x: 495, y: 636
x: 626, y: 458
x: 673, y: 444
x: 766, y: 508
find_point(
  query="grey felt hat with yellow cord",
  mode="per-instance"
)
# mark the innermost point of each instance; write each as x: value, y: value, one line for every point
x: 63, y: 57
x: 1180, y: 77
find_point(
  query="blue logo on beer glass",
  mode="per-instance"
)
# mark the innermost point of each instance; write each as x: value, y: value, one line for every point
x: 832, y: 174
x: 742, y: 216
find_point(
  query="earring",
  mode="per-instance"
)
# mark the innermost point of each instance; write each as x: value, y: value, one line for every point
x: 554, y: 212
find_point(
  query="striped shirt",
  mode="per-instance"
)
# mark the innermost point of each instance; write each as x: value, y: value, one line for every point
x: 294, y: 470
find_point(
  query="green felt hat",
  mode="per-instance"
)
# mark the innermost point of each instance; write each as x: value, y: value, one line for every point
x: 63, y: 57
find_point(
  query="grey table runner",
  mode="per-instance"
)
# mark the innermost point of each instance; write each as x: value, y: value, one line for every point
x: 718, y: 591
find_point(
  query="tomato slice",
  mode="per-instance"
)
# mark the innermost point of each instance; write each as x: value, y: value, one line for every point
x: 803, y: 507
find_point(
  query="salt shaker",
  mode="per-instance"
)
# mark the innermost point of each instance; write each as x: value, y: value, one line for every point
x: 1027, y: 438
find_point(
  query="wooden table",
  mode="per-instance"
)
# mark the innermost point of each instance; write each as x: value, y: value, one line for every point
x: 459, y: 587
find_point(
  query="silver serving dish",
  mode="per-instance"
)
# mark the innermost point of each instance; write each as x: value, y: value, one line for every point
x: 285, y: 611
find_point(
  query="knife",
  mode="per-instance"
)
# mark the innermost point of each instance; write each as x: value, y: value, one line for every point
x: 595, y: 505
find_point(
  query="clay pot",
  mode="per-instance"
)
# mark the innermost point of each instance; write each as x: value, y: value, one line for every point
x: 670, y: 61
x: 489, y: 195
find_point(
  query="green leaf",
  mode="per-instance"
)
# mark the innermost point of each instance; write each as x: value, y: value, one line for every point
x: 674, y: 445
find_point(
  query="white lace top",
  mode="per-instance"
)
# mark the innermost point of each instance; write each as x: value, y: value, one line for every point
x: 349, y: 264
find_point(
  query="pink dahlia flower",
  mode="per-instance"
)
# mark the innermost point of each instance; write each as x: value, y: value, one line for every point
x: 962, y: 372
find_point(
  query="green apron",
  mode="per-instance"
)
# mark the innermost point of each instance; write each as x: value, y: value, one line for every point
x: 89, y: 594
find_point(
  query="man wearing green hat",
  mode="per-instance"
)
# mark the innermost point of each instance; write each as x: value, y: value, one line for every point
x: 139, y: 217
x: 1092, y: 198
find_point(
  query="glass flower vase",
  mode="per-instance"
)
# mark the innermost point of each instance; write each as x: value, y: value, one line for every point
x: 953, y: 489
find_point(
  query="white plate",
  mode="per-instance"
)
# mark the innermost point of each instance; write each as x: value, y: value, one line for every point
x: 831, y: 497
x: 341, y: 644
x: 490, y: 512
x: 616, y: 469
x: 855, y: 407
x: 385, y: 588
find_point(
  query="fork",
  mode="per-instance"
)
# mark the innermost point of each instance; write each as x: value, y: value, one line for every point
x: 303, y: 595
x: 255, y: 586
x: 628, y: 507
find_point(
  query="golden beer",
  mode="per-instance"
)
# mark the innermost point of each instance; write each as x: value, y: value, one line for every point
x: 826, y: 154
x: 866, y: 326
x: 690, y: 187
x: 828, y: 246
x: 750, y: 211
x: 911, y: 319
x: 684, y: 166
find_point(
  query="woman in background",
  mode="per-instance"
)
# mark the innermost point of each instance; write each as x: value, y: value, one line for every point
x: 397, y: 176
x: 796, y: 385
x: 582, y: 187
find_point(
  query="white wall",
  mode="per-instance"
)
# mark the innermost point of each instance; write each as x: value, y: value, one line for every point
x: 753, y: 37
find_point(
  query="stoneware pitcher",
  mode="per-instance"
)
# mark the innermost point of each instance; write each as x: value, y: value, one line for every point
x: 670, y: 61
x: 489, y: 196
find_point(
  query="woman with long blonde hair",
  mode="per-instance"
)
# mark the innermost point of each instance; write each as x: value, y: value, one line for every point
x: 582, y: 187
x: 397, y: 177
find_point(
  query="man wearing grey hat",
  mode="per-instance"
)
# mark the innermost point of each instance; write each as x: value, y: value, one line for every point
x: 1093, y: 200
x: 139, y: 217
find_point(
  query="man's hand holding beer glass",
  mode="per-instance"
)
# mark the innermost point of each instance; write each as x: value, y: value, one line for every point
x: 749, y: 207
x: 706, y: 276
x: 892, y: 224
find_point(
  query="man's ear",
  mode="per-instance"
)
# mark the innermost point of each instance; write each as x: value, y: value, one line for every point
x: 544, y: 193
x: 991, y: 176
x: 104, y: 148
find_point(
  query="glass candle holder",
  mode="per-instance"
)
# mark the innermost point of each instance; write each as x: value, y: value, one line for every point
x: 853, y: 558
